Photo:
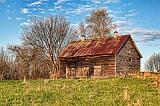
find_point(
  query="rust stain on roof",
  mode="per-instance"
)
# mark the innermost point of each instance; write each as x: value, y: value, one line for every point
x: 89, y: 47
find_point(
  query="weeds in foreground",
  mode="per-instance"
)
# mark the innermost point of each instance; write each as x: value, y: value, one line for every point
x: 110, y: 92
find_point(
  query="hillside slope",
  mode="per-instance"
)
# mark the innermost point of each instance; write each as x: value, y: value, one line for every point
x: 111, y: 91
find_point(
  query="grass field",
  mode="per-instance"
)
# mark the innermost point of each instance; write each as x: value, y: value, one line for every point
x: 85, y: 92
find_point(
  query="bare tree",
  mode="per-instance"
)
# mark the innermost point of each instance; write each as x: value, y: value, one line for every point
x: 153, y: 63
x: 49, y: 34
x: 25, y: 57
x: 6, y: 65
x: 99, y: 23
x: 2, y: 63
x: 82, y: 29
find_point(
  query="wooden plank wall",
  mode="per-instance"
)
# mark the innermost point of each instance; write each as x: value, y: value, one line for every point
x: 88, y: 67
x: 127, y: 59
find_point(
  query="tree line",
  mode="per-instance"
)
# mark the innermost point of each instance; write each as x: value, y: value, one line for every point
x: 43, y: 39
x: 153, y: 63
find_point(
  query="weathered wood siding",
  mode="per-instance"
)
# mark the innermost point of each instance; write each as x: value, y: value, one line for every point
x: 127, y: 59
x: 88, y: 67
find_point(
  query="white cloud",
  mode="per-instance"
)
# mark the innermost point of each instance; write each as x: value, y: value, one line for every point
x: 24, y: 23
x: 56, y: 3
x: 38, y: 9
x: 96, y: 1
x: 120, y: 23
x: 51, y: 9
x: 33, y: 15
x: 28, y: 22
x: 104, y: 1
x: 2, y: 1
x: 124, y: 23
x: 25, y: 10
x: 43, y: 12
x: 130, y: 14
x: 57, y: 7
x: 145, y: 35
x: 35, y: 3
x: 61, y: 1
x: 112, y: 1
x: 130, y: 11
x: 9, y: 18
x: 18, y: 18
x: 81, y: 9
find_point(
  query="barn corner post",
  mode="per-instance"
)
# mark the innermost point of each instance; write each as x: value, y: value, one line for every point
x: 66, y: 75
x: 59, y: 69
x: 115, y: 66
x: 63, y: 68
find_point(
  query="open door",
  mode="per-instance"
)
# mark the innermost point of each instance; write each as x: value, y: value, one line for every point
x: 97, y: 71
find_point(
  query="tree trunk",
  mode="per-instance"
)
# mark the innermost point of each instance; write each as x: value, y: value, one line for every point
x: 24, y: 79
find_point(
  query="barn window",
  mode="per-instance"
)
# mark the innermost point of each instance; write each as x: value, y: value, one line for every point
x: 129, y: 51
x: 130, y: 60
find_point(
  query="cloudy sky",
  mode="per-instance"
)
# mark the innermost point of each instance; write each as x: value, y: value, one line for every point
x: 140, y: 18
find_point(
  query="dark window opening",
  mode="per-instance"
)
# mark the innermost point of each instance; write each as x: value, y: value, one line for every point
x: 130, y: 60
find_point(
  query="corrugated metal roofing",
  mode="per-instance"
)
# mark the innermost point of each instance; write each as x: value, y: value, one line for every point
x: 89, y: 47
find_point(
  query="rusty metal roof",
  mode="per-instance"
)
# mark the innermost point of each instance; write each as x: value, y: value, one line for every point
x: 93, y: 47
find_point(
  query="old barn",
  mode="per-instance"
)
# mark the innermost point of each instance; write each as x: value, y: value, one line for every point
x: 105, y: 57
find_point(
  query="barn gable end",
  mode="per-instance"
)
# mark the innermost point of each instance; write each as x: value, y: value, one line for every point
x: 128, y: 58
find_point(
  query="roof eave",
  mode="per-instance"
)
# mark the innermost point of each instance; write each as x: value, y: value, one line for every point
x: 89, y: 56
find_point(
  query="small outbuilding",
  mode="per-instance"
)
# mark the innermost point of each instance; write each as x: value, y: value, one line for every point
x: 104, y: 57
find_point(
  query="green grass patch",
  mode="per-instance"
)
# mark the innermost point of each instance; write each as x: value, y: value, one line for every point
x: 84, y: 92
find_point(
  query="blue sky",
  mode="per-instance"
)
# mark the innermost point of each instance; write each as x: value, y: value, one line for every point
x: 140, y: 18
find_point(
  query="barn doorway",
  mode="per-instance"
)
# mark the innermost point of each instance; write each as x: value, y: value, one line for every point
x: 97, y: 71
